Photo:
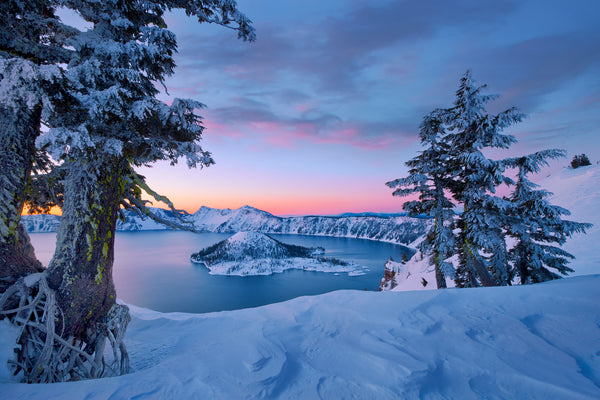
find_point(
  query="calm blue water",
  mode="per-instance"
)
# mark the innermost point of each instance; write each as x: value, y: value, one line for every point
x: 153, y: 269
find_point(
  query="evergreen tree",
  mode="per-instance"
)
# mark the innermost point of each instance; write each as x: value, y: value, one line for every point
x: 31, y: 48
x: 428, y: 177
x: 536, y: 224
x: 114, y: 72
x: 580, y: 161
x: 454, y: 162
x: 475, y: 178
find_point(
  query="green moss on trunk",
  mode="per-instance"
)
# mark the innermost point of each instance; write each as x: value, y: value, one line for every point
x: 81, y: 270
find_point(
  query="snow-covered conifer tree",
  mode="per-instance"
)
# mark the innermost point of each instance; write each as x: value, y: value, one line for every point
x: 536, y: 225
x: 470, y: 130
x: 428, y: 177
x: 31, y: 47
x: 114, y: 72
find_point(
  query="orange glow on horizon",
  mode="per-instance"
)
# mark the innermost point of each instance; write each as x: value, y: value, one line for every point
x: 298, y: 206
x: 54, y: 211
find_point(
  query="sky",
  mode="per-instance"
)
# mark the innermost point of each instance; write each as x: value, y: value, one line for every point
x: 324, y: 107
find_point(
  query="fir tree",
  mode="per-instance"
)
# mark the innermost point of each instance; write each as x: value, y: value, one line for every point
x: 475, y: 178
x: 114, y: 72
x: 537, y: 225
x: 454, y: 162
x: 31, y: 48
x: 580, y: 161
x: 428, y: 177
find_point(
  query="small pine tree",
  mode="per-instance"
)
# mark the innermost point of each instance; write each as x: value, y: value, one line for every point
x: 429, y: 179
x: 581, y: 160
x: 453, y: 161
x: 536, y: 225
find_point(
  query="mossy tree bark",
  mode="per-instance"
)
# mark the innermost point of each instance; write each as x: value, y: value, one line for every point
x: 81, y: 269
x: 18, y: 131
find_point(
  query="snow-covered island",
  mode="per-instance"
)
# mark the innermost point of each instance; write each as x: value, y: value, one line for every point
x: 254, y: 253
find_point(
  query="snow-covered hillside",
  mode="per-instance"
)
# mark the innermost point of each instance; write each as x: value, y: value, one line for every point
x: 395, y: 229
x: 524, y: 342
x: 254, y: 253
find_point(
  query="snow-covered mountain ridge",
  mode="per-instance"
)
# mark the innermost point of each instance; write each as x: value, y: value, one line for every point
x: 393, y: 229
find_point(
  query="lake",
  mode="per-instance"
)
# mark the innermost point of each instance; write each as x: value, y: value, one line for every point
x: 153, y: 269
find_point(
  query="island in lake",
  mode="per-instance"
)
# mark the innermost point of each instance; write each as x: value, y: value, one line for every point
x: 254, y: 253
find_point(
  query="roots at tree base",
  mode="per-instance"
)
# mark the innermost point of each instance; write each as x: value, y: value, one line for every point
x: 43, y: 354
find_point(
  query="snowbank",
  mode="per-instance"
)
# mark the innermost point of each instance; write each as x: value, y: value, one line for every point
x: 536, y: 342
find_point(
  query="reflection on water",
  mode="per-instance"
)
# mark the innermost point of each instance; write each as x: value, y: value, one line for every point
x: 153, y: 269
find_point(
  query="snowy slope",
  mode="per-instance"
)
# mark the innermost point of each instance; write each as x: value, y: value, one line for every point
x: 526, y: 342
x: 397, y: 229
x: 414, y: 274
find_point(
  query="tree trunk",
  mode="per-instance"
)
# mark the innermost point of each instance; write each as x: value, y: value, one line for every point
x: 440, y: 280
x: 478, y: 266
x: 81, y: 270
x: 522, y: 265
x: 18, y: 132
x: 437, y: 256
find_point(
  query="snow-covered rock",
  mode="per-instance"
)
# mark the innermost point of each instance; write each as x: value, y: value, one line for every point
x: 396, y: 229
x: 393, y: 229
x: 254, y: 253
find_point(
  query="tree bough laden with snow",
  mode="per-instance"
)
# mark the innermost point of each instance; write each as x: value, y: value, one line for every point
x: 428, y: 178
x: 475, y: 178
x: 536, y: 224
x: 113, y: 72
x: 31, y: 39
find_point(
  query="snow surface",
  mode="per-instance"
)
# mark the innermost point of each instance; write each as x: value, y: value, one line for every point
x: 240, y: 258
x: 536, y: 342
x: 269, y: 266
x: 410, y: 274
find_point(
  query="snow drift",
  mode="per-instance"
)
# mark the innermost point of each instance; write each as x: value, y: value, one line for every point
x: 536, y: 342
